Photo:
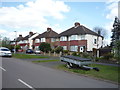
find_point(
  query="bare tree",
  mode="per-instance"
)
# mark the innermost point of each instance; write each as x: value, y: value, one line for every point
x: 101, y: 31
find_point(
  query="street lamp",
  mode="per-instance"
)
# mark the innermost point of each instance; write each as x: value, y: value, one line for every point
x: 15, y: 41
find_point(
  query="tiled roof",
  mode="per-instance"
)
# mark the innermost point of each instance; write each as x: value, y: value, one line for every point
x: 28, y: 36
x: 47, y: 34
x: 82, y: 30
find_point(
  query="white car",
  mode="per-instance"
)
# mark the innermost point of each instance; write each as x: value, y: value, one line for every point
x: 37, y: 51
x: 5, y: 52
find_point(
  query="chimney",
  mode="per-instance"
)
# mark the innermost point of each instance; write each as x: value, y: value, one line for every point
x: 48, y: 29
x: 30, y: 33
x: 20, y: 35
x: 77, y: 24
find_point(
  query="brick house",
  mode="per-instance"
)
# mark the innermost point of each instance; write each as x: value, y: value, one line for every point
x: 48, y: 36
x: 25, y: 42
x: 17, y: 40
x: 79, y: 38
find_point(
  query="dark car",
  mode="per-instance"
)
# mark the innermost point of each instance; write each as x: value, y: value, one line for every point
x: 29, y: 51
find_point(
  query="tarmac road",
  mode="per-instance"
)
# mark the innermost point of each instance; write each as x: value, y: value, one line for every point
x: 17, y: 73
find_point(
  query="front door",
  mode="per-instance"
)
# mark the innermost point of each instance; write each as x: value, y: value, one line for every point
x: 81, y: 49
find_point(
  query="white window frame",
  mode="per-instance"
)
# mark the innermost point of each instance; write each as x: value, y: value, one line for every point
x: 43, y: 40
x: 64, y: 47
x: 74, y: 37
x: 53, y: 39
x: 63, y: 38
x: 37, y: 40
x: 74, y: 48
x: 82, y: 37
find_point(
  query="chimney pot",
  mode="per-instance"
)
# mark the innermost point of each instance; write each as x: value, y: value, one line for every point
x: 30, y: 33
x: 49, y: 29
x: 77, y: 24
x: 20, y: 35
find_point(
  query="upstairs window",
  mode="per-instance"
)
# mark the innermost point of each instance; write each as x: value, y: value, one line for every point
x: 82, y: 37
x: 37, y: 40
x: 53, y: 39
x: 43, y: 40
x: 74, y: 37
x: 63, y: 38
x: 95, y: 41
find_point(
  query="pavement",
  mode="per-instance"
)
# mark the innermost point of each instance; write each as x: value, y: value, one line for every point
x: 17, y: 73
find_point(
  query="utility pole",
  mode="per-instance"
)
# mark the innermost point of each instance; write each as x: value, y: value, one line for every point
x: 15, y: 41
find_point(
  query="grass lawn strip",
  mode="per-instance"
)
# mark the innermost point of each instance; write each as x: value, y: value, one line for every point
x: 106, y: 72
x: 44, y: 61
x: 26, y: 56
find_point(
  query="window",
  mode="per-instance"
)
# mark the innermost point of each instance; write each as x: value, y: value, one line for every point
x: 37, y: 40
x: 63, y: 38
x: 82, y: 37
x: 74, y: 37
x: 53, y: 39
x: 36, y: 47
x: 25, y: 41
x: 42, y: 39
x: 95, y: 41
x: 74, y: 48
x: 64, y: 47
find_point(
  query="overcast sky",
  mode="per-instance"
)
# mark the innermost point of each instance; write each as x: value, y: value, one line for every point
x: 37, y: 15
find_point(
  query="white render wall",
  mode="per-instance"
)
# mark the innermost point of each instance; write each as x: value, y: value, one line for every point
x: 90, y: 42
x: 31, y: 41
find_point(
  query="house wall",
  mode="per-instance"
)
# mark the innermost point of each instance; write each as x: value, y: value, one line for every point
x: 30, y: 41
x: 91, y: 44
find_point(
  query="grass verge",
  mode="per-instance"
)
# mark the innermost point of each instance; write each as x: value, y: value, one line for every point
x: 44, y: 61
x: 26, y: 56
x: 106, y: 72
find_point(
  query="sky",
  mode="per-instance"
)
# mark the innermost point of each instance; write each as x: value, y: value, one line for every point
x: 24, y: 16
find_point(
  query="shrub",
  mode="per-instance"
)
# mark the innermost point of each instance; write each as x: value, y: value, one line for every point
x: 45, y: 47
x: 108, y: 56
x: 65, y: 51
x: 52, y: 51
x: 74, y: 53
x: 59, y: 49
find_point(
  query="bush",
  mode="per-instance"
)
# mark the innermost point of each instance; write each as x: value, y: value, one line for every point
x: 108, y: 56
x: 65, y: 51
x: 59, y: 49
x: 52, y: 51
x: 74, y: 53
x: 45, y: 47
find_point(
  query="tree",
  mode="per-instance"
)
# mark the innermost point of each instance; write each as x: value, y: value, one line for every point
x: 45, y: 47
x: 101, y: 31
x: 116, y: 38
x: 6, y: 42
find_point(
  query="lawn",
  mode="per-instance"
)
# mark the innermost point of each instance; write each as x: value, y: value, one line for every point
x: 28, y: 56
x: 106, y: 72
x: 44, y: 61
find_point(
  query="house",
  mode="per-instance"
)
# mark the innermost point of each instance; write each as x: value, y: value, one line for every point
x: 48, y: 36
x: 80, y: 39
x: 25, y: 42
x: 17, y: 40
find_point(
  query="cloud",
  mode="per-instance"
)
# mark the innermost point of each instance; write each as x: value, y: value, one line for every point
x: 112, y: 9
x: 112, y: 6
x: 32, y: 14
x: 2, y: 31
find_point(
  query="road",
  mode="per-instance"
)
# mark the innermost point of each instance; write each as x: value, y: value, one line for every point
x: 17, y: 73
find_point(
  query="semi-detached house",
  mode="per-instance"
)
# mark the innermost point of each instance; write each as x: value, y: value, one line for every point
x: 25, y: 42
x: 48, y: 36
x: 79, y: 38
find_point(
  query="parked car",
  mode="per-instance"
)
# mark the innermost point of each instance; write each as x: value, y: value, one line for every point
x: 29, y: 51
x: 37, y: 51
x: 5, y: 52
